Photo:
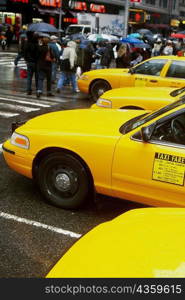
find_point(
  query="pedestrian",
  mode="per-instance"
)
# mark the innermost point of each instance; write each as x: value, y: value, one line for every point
x: 156, y: 50
x: 31, y: 56
x: 136, y: 57
x: 21, y: 45
x: 3, y: 40
x: 107, y: 56
x: 56, y: 52
x: 123, y: 58
x: 9, y: 36
x: 44, y: 64
x: 68, y: 67
x: 168, y: 49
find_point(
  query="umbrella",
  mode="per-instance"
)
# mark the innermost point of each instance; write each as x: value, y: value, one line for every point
x: 145, y: 31
x: 130, y: 40
x: 42, y: 27
x: 178, y: 35
x: 95, y: 37
x: 135, y: 35
x: 142, y: 45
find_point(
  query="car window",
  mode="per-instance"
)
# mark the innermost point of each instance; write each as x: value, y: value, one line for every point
x: 144, y: 118
x: 151, y: 67
x: 87, y: 30
x: 176, y: 69
x: 171, y: 130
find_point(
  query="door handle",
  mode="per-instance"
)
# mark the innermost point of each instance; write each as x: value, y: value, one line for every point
x: 153, y: 80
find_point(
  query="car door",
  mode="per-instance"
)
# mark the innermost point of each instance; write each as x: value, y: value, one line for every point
x: 175, y: 74
x: 150, y: 172
x: 147, y: 73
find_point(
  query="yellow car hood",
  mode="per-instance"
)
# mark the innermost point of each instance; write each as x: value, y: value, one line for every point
x: 90, y: 121
x: 96, y: 73
x: 139, y: 92
x: 146, y: 242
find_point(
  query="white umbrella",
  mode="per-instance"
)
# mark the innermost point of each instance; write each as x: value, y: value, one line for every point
x: 95, y: 37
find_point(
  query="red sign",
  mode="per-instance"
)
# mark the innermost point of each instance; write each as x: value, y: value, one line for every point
x: 137, y: 1
x: 23, y: 1
x: 97, y: 8
x: 77, y: 5
x: 50, y: 3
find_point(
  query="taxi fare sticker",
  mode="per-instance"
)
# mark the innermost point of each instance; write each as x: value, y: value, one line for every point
x: 169, y: 168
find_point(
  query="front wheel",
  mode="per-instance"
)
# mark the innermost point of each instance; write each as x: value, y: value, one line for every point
x: 63, y: 180
x: 98, y: 88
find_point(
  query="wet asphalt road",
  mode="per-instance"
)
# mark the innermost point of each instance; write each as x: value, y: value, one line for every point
x: 27, y: 250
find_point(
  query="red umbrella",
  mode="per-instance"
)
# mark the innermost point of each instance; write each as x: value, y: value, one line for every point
x: 178, y: 35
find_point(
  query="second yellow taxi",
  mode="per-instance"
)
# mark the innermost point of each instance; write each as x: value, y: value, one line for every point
x: 139, y: 98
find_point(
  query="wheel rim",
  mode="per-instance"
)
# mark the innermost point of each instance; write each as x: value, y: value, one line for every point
x: 99, y: 89
x: 63, y: 181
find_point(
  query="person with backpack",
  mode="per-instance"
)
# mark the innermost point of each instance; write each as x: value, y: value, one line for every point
x: 68, y: 67
x: 44, y: 64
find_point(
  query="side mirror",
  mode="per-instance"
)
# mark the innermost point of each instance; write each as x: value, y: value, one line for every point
x: 146, y: 133
x: 131, y: 71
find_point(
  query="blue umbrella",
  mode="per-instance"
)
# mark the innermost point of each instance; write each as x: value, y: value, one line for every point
x: 134, y: 35
x: 42, y: 27
x: 130, y: 40
x: 141, y: 45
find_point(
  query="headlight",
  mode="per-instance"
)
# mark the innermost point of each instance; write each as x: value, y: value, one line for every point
x: 84, y: 77
x: 20, y: 140
x: 104, y: 103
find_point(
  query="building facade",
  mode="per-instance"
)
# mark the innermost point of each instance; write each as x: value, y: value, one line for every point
x: 158, y: 13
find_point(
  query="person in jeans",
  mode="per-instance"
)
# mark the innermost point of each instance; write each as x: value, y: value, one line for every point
x: 44, y: 66
x: 68, y: 67
x: 56, y: 52
x: 30, y: 54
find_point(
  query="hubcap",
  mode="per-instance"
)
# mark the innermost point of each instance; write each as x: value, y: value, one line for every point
x: 101, y: 91
x: 63, y: 182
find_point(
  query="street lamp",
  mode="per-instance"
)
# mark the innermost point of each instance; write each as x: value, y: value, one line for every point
x: 60, y: 18
x: 126, y: 18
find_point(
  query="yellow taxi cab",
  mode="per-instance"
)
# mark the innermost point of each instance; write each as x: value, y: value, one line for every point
x: 129, y: 154
x: 139, y: 98
x: 141, y: 243
x: 158, y: 71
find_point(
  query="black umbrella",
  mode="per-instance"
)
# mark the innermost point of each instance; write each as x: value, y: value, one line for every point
x: 145, y: 31
x: 42, y: 27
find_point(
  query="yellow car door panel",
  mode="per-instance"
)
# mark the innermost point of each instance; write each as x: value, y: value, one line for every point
x: 151, y: 171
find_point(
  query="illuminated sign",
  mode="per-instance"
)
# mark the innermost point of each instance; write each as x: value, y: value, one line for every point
x: 51, y: 3
x: 77, y: 5
x: 135, y: 1
x: 137, y: 16
x: 97, y: 8
x: 23, y: 1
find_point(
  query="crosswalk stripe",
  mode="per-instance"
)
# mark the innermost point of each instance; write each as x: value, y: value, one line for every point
x: 20, y: 108
x: 7, y: 114
x: 24, y: 102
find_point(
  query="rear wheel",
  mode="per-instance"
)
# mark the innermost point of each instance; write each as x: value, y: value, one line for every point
x: 98, y: 88
x: 63, y: 180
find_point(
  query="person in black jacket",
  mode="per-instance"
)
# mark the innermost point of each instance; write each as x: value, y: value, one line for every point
x: 31, y: 56
x: 44, y: 65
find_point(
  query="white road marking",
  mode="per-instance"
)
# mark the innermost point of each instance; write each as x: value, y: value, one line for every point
x: 40, y: 225
x: 19, y: 107
x: 7, y: 114
x: 1, y: 150
x: 25, y: 102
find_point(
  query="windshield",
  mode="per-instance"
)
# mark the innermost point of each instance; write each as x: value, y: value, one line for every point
x: 73, y: 30
x: 177, y: 92
x: 142, y: 119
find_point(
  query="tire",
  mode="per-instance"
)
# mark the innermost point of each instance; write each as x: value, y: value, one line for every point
x: 63, y: 180
x: 98, y: 88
